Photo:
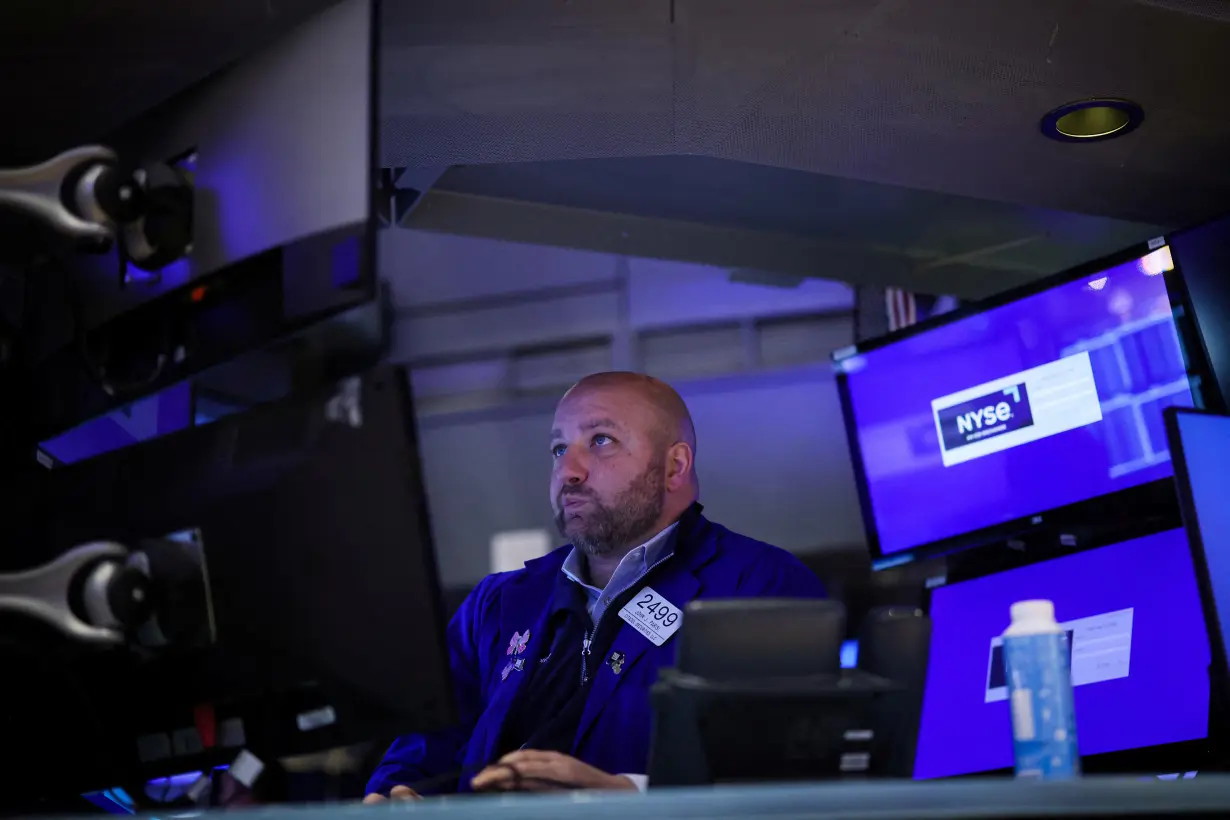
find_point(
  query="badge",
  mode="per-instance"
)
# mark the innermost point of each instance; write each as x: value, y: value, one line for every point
x: 653, y: 616
x: 617, y: 662
x: 515, y: 647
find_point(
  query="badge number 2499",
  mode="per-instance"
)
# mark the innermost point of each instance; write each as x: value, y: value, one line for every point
x: 653, y: 616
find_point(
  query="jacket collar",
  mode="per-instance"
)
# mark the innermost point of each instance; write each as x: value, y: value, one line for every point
x: 687, y: 524
x: 678, y: 583
x: 542, y: 582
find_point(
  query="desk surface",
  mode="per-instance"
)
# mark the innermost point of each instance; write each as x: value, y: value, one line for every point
x: 883, y: 800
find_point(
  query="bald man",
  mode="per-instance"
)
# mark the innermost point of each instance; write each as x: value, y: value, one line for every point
x: 552, y: 677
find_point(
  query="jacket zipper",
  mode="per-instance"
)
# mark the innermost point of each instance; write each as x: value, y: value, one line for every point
x: 585, y: 656
x: 591, y: 634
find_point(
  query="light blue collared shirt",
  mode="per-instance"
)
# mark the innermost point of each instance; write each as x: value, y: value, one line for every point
x: 631, y: 569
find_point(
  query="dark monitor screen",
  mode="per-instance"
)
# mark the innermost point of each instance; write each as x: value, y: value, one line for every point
x: 1140, y: 655
x: 1042, y: 402
x: 1201, y: 444
x: 307, y: 518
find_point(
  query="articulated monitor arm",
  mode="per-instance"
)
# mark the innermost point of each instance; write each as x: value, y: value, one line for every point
x: 90, y: 594
x: 89, y: 198
x: 103, y: 595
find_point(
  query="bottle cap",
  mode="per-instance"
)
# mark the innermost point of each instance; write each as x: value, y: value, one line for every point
x: 1035, y: 611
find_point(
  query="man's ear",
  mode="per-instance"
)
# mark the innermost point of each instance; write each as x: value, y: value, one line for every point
x: 678, y: 465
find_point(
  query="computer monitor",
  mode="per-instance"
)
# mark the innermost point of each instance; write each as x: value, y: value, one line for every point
x: 322, y: 596
x: 1040, y: 407
x: 1140, y: 657
x: 1200, y: 444
x: 757, y: 693
x: 281, y: 150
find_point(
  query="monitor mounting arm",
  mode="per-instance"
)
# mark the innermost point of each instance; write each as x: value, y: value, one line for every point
x: 103, y: 595
x: 90, y: 594
x: 88, y: 198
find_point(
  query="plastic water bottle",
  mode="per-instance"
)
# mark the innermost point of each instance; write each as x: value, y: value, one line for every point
x: 1037, y: 666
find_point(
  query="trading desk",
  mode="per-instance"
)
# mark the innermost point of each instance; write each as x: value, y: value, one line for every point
x: 982, y: 798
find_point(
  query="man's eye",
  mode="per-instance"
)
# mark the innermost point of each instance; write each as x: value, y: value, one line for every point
x: 602, y: 439
x: 557, y: 450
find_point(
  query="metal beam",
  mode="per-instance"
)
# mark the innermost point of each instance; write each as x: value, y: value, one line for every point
x: 494, y: 301
x: 538, y: 224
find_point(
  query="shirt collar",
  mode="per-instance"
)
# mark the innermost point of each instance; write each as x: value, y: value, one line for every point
x: 644, y: 557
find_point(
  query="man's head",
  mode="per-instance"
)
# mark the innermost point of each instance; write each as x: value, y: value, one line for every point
x: 623, y: 446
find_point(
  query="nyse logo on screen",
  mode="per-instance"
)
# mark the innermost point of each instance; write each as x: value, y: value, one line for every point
x: 992, y: 414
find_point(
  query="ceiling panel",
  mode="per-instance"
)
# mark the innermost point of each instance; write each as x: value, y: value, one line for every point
x: 873, y: 108
x: 943, y: 95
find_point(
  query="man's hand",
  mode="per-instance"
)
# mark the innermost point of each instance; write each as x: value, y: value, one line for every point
x: 528, y: 770
x: 397, y: 793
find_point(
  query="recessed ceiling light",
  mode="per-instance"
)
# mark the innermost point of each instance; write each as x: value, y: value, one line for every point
x: 1093, y: 120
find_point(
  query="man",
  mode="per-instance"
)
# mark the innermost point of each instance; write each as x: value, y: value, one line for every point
x: 552, y: 682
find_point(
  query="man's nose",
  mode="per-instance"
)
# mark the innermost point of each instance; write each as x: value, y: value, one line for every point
x: 571, y: 468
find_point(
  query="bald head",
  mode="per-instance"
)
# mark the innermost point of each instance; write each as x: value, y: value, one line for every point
x: 623, y: 446
x: 673, y: 421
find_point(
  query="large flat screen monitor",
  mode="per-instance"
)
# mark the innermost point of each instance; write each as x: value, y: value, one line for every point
x: 1140, y: 657
x: 981, y: 425
x: 1201, y: 446
x: 281, y: 149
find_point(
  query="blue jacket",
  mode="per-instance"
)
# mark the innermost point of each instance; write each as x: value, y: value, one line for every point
x: 708, y: 561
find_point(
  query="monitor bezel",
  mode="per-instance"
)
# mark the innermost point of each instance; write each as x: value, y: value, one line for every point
x: 1148, y: 499
x: 1184, y: 755
x: 1219, y: 667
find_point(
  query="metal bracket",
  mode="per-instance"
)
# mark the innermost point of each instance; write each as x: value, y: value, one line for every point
x: 39, y: 190
x: 43, y: 593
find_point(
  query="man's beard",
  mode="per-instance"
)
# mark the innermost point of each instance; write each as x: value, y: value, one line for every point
x: 629, y: 517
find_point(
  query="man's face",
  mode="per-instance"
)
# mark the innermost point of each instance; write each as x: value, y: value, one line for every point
x: 608, y: 477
